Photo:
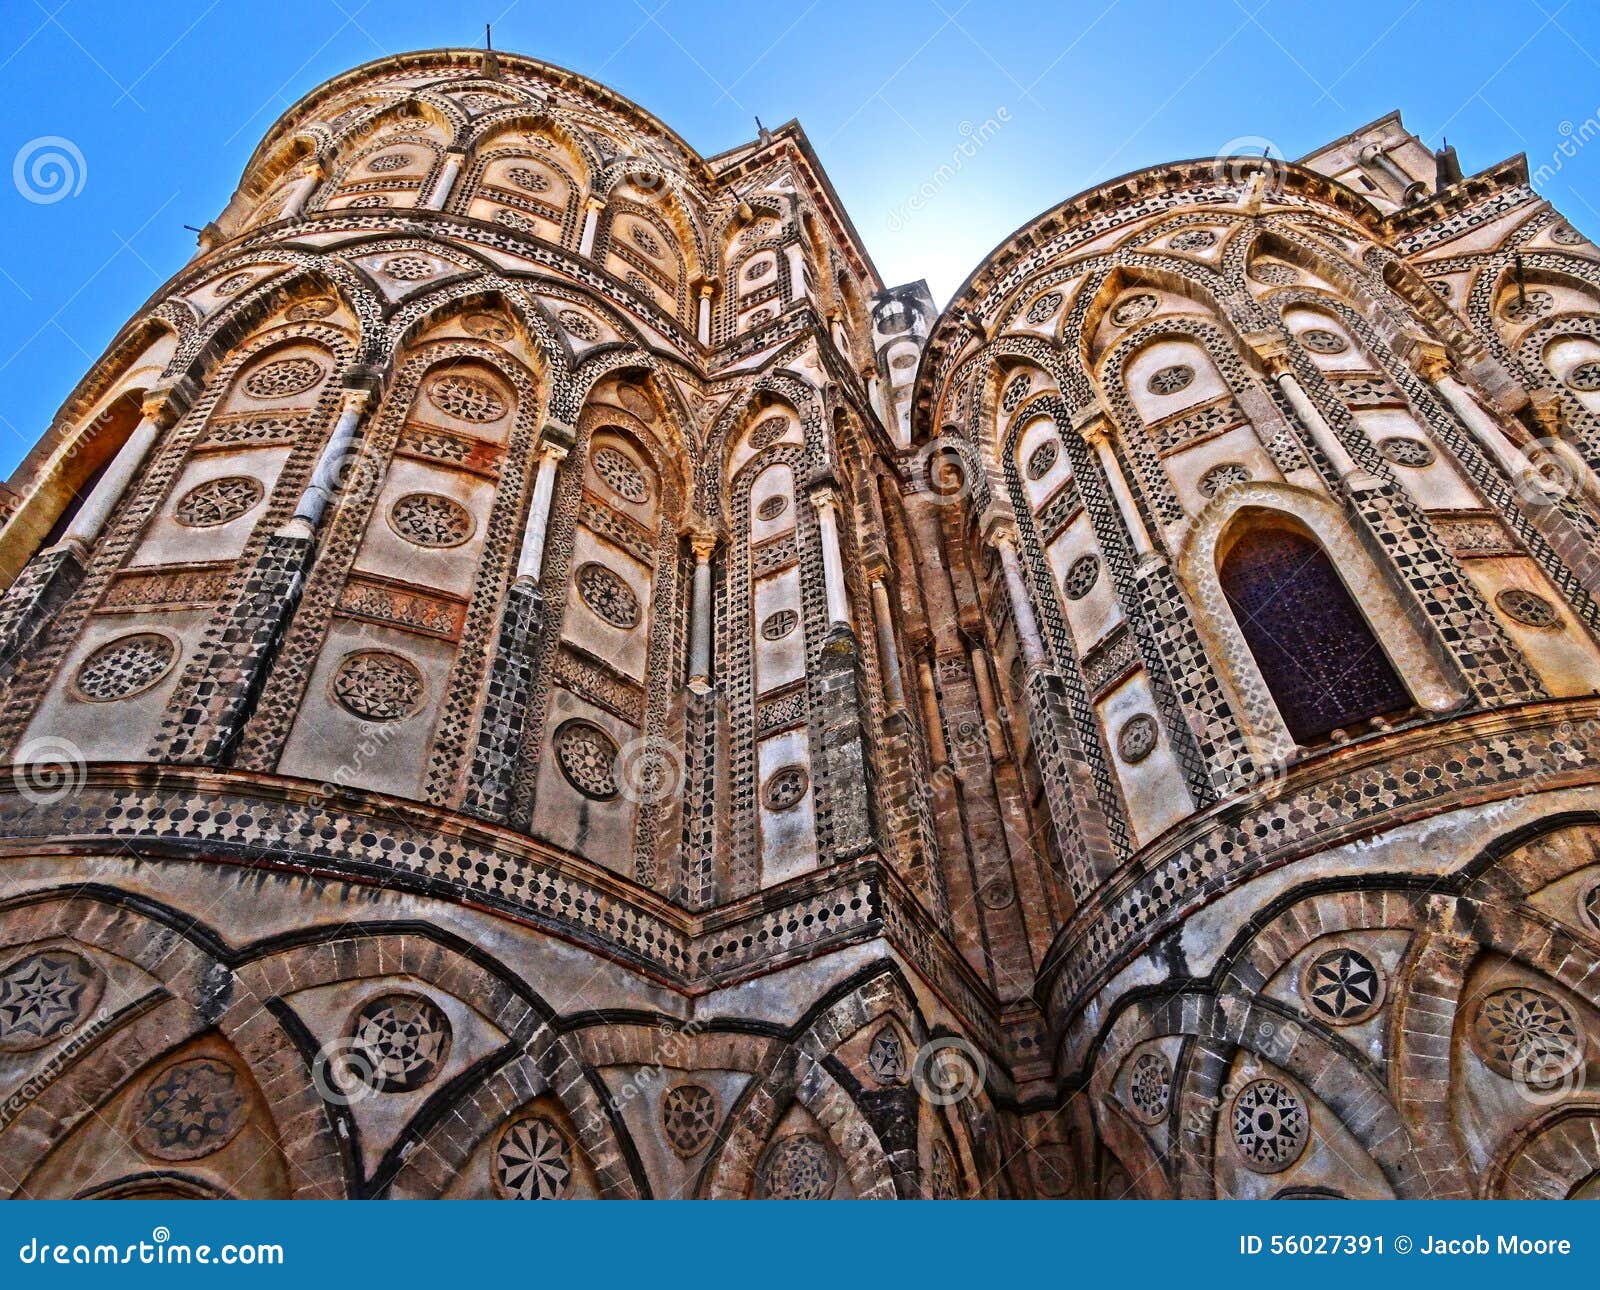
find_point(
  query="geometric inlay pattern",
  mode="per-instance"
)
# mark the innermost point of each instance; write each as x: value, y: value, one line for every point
x: 611, y: 599
x: 798, y: 1167
x: 377, y: 685
x: 768, y: 432
x: 785, y: 789
x: 430, y: 519
x: 1134, y: 309
x: 1270, y: 1126
x: 1273, y: 274
x: 587, y: 756
x: 1585, y: 378
x: 530, y: 181
x: 944, y: 1182
x: 286, y: 376
x: 404, y: 1039
x: 1321, y: 341
x: 466, y: 398
x: 1082, y: 574
x: 1526, y: 1035
x: 1042, y: 458
x: 779, y: 624
x: 217, y: 501
x: 1138, y: 738
x: 1042, y: 308
x: 125, y: 666
x: 689, y: 1118
x: 42, y: 998
x: 886, y: 1057
x: 1219, y: 477
x: 1342, y: 986
x: 1169, y: 380
x: 1405, y: 451
x: 1016, y: 391
x: 621, y: 474
x: 532, y: 1161
x: 1527, y: 607
x: 190, y: 1110
x: 1533, y: 304
x: 1150, y: 1086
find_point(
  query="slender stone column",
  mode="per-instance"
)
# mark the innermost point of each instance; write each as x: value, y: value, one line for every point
x: 1273, y: 350
x: 869, y: 377
x: 1095, y: 427
x: 1004, y: 540
x: 703, y: 314
x: 1432, y: 361
x: 161, y: 411
x: 894, y: 689
x: 986, y: 701
x: 1069, y: 795
x: 591, y: 224
x: 827, y: 505
x: 530, y: 561
x: 445, y: 182
x: 50, y: 578
x: 335, y: 464
x: 510, y: 679
x: 300, y: 192
x: 797, y: 270
x: 703, y: 544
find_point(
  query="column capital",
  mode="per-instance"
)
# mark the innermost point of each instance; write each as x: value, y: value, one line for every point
x: 875, y: 566
x: 594, y: 205
x: 1271, y: 348
x: 823, y: 492
x: 1092, y: 424
x: 164, y: 403
x: 702, y: 540
x: 557, y: 437
x: 999, y: 529
x: 1430, y: 357
x: 355, y: 399
x: 707, y: 288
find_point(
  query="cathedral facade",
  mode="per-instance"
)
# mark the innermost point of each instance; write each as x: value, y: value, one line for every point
x: 528, y: 671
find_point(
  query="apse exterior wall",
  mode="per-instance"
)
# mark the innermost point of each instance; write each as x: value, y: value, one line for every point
x: 560, y: 682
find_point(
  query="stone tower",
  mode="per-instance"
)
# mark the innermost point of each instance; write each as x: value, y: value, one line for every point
x: 528, y: 671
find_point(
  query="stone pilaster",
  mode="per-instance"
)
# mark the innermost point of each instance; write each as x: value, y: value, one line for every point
x: 840, y: 743
x: 505, y: 704
x: 44, y: 585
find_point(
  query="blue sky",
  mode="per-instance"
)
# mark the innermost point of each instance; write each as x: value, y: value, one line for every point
x: 165, y: 102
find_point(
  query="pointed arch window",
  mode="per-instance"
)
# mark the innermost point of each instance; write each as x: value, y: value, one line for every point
x: 1321, y: 661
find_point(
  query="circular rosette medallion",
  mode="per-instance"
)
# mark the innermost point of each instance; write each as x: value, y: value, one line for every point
x: 404, y: 1039
x: 532, y: 1161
